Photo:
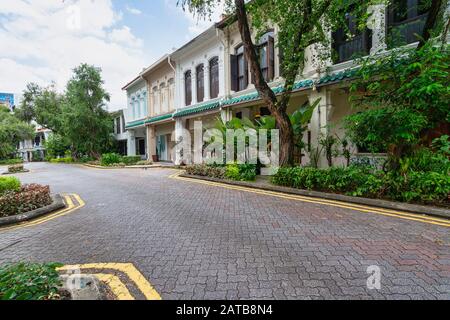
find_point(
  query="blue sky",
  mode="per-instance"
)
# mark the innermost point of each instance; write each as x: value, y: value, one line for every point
x: 46, y: 39
x: 161, y: 24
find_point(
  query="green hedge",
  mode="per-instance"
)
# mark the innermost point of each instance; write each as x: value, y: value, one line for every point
x: 16, y: 168
x: 131, y: 160
x: 115, y: 159
x: 62, y: 160
x: 9, y: 184
x: 206, y: 171
x: 28, y: 281
x: 241, y: 172
x: 11, y: 161
x: 422, y: 187
x: 238, y: 172
x: 30, y: 197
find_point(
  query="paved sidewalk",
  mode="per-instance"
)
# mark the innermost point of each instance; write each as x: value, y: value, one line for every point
x: 193, y: 241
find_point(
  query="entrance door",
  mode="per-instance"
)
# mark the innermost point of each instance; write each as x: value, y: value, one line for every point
x: 140, y: 147
x: 162, y: 148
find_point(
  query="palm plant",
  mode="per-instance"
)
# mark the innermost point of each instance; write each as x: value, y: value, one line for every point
x: 299, y: 120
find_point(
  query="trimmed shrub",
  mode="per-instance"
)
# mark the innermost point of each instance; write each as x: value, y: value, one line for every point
x: 110, y: 158
x: 131, y: 160
x: 422, y: 187
x: 244, y: 172
x: 86, y: 159
x: 29, y: 281
x: 62, y: 160
x: 16, y: 168
x: 206, y: 171
x: 29, y: 197
x: 9, y: 184
x: 247, y: 172
x: 232, y: 172
x: 11, y: 161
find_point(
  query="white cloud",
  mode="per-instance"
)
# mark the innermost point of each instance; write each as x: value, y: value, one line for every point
x: 198, y: 24
x: 47, y: 39
x: 133, y: 10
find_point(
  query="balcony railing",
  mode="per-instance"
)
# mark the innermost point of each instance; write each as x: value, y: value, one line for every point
x: 359, y: 45
x: 406, y: 32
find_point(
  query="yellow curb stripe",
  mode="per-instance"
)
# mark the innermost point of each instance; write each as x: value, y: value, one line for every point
x: 79, y: 200
x: 341, y: 204
x: 116, y: 285
x: 69, y: 201
x: 69, y: 209
x: 129, y: 269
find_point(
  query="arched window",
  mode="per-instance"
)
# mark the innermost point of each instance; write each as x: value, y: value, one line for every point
x: 171, y: 84
x: 145, y: 104
x: 266, y: 52
x: 200, y: 82
x: 188, y: 88
x: 214, y: 77
x: 239, y: 70
x: 155, y: 94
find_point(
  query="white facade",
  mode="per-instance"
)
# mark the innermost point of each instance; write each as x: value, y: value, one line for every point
x: 135, y: 113
x: 234, y: 95
x: 199, y: 52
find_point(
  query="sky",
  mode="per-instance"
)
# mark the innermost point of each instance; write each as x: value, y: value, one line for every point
x: 44, y: 40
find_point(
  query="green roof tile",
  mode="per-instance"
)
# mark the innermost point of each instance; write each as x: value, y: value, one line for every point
x: 136, y: 123
x: 197, y: 109
x: 159, y: 118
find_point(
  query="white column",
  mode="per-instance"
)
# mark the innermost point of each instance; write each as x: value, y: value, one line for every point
x: 377, y: 23
x: 182, y: 140
x: 226, y: 114
x: 194, y: 86
x: 206, y: 81
x: 221, y: 78
x: 131, y: 145
x: 320, y: 120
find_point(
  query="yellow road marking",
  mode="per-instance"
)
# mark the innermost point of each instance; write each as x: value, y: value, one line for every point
x: 80, y: 201
x: 116, y: 285
x: 71, y: 207
x: 127, y: 268
x: 340, y: 204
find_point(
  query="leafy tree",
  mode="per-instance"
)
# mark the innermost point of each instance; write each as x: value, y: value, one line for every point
x: 300, y: 24
x: 26, y: 110
x: 12, y: 131
x: 43, y: 105
x: 56, y: 145
x: 87, y: 125
x: 402, y: 99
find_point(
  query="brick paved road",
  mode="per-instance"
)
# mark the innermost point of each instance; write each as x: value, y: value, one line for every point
x: 193, y: 241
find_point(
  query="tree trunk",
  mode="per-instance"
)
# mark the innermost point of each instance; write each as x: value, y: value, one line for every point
x: 433, y: 15
x: 265, y: 92
x: 286, y: 139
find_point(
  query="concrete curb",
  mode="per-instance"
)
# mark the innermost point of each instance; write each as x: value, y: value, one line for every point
x: 412, y: 208
x: 12, y: 173
x: 126, y: 167
x: 58, y: 203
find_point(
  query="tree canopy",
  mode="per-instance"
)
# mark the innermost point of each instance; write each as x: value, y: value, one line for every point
x: 77, y: 116
x: 12, y: 131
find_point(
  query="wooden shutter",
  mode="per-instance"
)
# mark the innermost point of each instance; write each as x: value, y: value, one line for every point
x: 270, y: 59
x: 234, y: 72
x: 245, y: 72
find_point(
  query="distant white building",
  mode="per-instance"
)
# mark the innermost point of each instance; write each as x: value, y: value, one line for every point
x: 34, y: 149
x: 120, y: 134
